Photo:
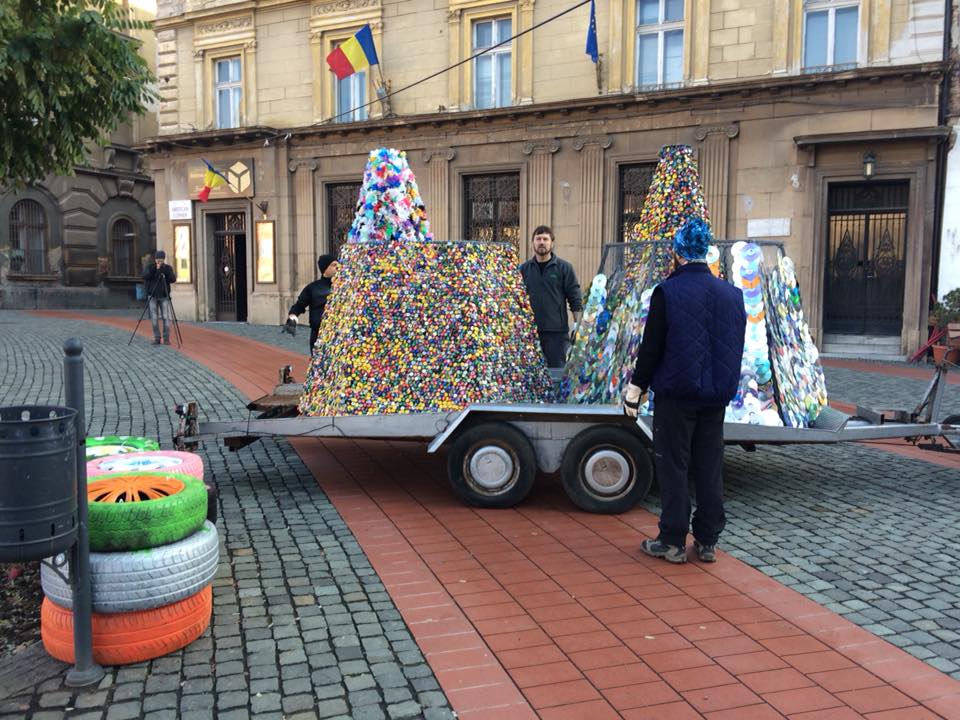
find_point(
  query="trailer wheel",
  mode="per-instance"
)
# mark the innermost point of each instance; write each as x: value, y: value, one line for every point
x: 492, y: 465
x: 606, y: 470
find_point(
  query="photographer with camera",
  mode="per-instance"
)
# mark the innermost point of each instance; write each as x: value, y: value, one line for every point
x: 158, y: 276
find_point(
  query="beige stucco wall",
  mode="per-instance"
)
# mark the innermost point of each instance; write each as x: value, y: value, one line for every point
x: 769, y: 177
x: 725, y: 41
x: 568, y: 165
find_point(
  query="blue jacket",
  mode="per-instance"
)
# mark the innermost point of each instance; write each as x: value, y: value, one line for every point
x: 693, y: 343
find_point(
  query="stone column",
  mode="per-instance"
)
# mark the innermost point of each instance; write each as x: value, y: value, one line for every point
x: 524, y: 66
x: 591, y: 200
x: 699, y: 54
x: 438, y: 201
x: 455, y: 76
x: 715, y: 172
x: 304, y: 245
x: 540, y: 181
x: 614, y: 60
x: 782, y: 35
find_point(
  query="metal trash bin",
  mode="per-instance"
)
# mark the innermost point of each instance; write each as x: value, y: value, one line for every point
x: 38, y: 481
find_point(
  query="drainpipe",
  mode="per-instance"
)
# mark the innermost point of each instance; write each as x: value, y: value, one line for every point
x: 942, y: 151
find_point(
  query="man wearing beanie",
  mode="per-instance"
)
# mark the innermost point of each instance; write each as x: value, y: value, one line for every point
x: 158, y: 277
x: 690, y: 357
x: 314, y: 296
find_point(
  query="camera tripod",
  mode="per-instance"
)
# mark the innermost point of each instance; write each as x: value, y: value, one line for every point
x: 173, y: 313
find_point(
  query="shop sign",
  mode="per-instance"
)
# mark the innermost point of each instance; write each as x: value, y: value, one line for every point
x: 239, y: 175
x: 181, y: 210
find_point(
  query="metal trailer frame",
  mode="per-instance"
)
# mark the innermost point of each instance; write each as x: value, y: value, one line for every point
x: 603, y: 456
x: 495, y: 450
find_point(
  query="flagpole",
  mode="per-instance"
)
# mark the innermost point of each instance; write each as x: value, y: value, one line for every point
x: 384, y: 100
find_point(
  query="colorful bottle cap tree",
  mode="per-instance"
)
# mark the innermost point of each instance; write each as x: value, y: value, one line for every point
x: 415, y: 325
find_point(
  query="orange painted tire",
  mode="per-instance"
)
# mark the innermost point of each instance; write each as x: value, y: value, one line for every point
x: 126, y: 638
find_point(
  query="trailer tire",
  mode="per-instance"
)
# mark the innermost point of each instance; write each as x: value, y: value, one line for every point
x: 491, y: 465
x: 606, y: 470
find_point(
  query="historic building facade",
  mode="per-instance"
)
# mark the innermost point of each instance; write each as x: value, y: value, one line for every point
x: 817, y: 124
x: 80, y: 241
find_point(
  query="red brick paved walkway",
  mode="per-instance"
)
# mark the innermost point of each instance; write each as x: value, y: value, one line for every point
x: 545, y: 611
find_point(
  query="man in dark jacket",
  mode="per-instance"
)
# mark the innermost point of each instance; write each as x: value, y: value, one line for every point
x: 158, y: 277
x: 552, y: 286
x: 314, y: 296
x: 690, y: 357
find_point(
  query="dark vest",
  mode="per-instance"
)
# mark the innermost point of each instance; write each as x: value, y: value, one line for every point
x: 706, y: 322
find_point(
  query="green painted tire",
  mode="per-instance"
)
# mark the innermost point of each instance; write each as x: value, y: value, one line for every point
x: 134, y: 511
x: 104, y: 445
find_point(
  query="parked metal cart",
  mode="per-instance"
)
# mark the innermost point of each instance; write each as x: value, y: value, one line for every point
x: 604, y: 459
x: 494, y: 451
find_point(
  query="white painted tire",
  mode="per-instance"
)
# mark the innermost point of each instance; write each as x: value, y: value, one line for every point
x: 174, y: 461
x: 143, y: 579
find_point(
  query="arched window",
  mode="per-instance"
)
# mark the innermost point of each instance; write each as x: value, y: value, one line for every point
x: 29, y: 236
x: 123, y: 248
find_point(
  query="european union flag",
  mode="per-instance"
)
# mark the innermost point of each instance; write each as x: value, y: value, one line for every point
x: 592, y: 34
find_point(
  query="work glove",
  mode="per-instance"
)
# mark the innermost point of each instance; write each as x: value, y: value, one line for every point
x: 632, y: 400
x: 291, y: 325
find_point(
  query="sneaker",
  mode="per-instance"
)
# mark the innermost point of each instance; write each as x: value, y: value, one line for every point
x: 670, y: 553
x: 156, y: 341
x: 166, y: 341
x: 706, y: 553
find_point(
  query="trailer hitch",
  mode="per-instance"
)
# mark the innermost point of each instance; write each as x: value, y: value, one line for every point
x: 187, y: 428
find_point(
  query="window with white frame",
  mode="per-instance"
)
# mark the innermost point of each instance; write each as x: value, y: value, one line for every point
x: 229, y: 90
x: 831, y: 33
x: 493, y: 71
x: 659, y: 42
x: 351, y: 97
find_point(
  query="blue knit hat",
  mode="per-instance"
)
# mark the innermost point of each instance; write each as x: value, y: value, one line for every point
x: 693, y: 239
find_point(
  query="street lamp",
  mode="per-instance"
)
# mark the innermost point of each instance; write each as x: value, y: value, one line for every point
x: 869, y: 165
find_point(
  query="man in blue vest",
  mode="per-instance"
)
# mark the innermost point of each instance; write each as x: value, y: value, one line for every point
x: 690, y: 357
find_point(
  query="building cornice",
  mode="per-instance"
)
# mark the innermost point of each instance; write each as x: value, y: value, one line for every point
x: 701, y: 98
x: 939, y: 133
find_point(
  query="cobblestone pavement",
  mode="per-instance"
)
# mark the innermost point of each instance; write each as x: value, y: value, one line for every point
x: 302, y: 626
x: 871, y: 535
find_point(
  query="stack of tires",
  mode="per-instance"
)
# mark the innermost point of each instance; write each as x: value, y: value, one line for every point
x: 153, y: 557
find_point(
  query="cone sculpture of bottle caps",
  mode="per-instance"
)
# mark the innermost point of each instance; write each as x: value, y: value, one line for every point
x: 414, y: 325
x: 801, y: 388
x: 600, y: 363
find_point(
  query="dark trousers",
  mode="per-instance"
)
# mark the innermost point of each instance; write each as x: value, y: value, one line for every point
x: 554, y: 345
x: 314, y: 332
x: 688, y: 443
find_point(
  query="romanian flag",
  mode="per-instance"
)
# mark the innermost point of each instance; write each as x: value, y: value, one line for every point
x: 354, y: 54
x: 211, y: 178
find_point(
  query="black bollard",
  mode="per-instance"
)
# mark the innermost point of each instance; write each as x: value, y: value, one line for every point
x: 84, y: 671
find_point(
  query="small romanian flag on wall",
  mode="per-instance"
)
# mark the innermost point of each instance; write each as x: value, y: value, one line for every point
x: 211, y: 178
x: 353, y: 55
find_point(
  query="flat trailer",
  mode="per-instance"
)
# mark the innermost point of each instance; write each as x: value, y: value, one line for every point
x: 604, y: 457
